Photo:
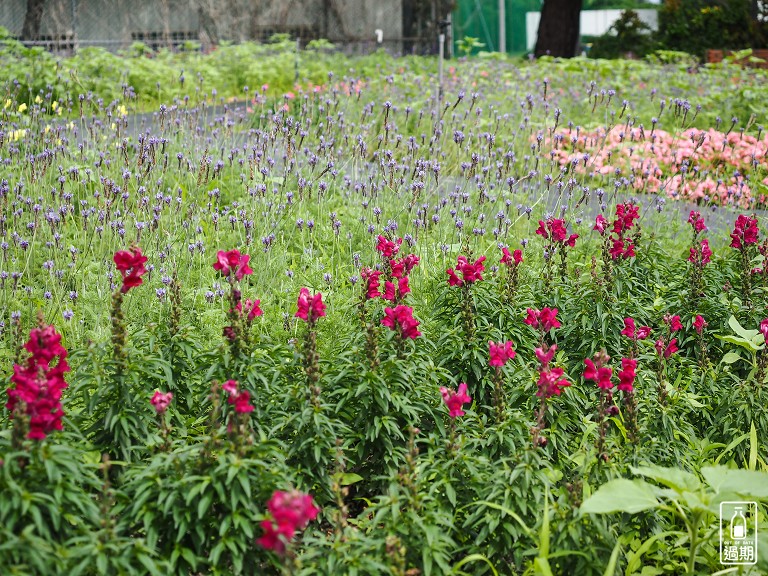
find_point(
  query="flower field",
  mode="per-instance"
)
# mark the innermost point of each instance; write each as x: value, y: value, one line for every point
x: 338, y: 326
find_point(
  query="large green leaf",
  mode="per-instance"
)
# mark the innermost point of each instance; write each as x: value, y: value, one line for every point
x: 621, y: 495
x: 746, y: 483
x: 674, y: 478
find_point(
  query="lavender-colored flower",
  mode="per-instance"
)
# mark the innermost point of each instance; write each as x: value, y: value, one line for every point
x: 68, y: 314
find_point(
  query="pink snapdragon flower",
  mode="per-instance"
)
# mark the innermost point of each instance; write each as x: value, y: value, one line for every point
x: 633, y: 333
x: 544, y: 319
x: 37, y: 385
x: 699, y: 323
x: 455, y: 400
x: 601, y: 375
x: 500, y: 353
x: 627, y: 374
x: 310, y: 307
x: 232, y: 261
x: 161, y: 401
x: 290, y: 511
x: 400, y: 318
x: 130, y: 264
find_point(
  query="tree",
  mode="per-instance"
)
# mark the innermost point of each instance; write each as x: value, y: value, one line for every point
x: 33, y: 18
x: 559, y: 28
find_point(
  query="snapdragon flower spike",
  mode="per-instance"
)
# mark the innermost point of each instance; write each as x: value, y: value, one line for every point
x: 673, y: 322
x: 38, y: 385
x: 511, y: 259
x: 550, y: 382
x: 470, y: 271
x: 251, y: 309
x: 699, y: 324
x: 371, y: 278
x: 626, y: 214
x: 400, y: 318
x: 703, y: 255
x: 500, y: 353
x: 310, y: 307
x: 633, y: 333
x: 392, y: 292
x: 745, y: 232
x: 130, y: 264
x: 232, y: 261
x: 455, y: 400
x: 387, y: 247
x: 666, y: 350
x: 764, y: 329
x: 601, y: 375
x: 627, y: 374
x: 402, y: 267
x: 544, y: 319
x: 601, y: 224
x: 240, y: 399
x: 290, y: 511
x: 161, y: 401
x: 696, y: 221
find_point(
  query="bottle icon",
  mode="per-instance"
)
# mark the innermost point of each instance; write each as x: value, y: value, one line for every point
x: 738, y: 524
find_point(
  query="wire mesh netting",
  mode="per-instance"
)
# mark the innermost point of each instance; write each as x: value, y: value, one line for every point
x: 354, y: 26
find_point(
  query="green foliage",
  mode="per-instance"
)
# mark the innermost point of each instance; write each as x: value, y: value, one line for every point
x: 698, y: 25
x: 627, y: 35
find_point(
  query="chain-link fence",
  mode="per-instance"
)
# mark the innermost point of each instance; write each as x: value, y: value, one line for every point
x: 353, y: 26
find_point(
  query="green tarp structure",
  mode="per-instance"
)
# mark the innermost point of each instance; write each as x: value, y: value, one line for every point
x: 480, y: 19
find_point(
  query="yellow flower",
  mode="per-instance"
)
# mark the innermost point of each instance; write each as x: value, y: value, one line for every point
x: 122, y: 111
x: 112, y: 126
x: 17, y: 134
x: 22, y: 107
x: 7, y: 104
x: 54, y: 105
x: 38, y: 100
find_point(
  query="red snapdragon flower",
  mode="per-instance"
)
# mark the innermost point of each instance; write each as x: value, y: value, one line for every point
x: 745, y: 232
x: 668, y: 349
x: 241, y: 399
x: 635, y: 334
x: 252, y: 309
x: 310, y: 307
x: 290, y: 511
x: 601, y: 224
x: 161, y: 401
x: 764, y: 329
x: 544, y: 319
x: 130, y: 263
x: 38, y: 385
x: 601, y: 375
x: 550, y: 382
x: 510, y: 258
x: 627, y: 374
x: 626, y: 214
x: 392, y: 292
x: 500, y: 353
x: 545, y: 356
x: 227, y: 262
x: 401, y: 268
x: 699, y: 323
x: 703, y: 255
x: 401, y: 318
x: 230, y: 386
x: 696, y: 221
x: 673, y: 322
x: 455, y: 400
x: 554, y: 228
x: 387, y: 247
x: 622, y: 248
x: 371, y: 278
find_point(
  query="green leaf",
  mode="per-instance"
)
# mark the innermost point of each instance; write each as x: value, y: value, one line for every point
x: 731, y: 357
x: 746, y: 483
x: 610, y: 570
x: 675, y: 478
x: 621, y: 495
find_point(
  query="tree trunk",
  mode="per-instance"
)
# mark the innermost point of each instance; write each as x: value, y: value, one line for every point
x: 558, y: 28
x: 32, y: 20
